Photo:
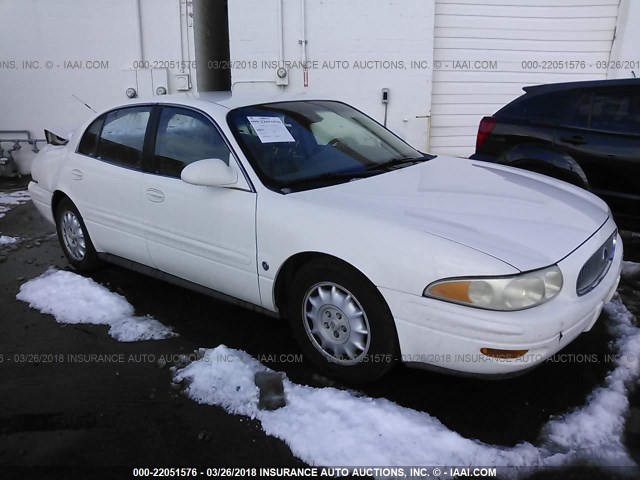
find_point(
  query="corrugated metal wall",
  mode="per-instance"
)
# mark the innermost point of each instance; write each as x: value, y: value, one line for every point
x: 485, y: 51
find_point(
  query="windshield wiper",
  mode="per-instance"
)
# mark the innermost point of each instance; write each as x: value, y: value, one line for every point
x: 328, y: 177
x: 394, y: 162
x: 349, y: 175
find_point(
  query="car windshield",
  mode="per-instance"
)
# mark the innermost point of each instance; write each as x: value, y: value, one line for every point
x: 299, y: 145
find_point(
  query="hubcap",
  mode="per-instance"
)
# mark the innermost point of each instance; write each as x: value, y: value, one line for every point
x: 73, y: 236
x: 336, y: 323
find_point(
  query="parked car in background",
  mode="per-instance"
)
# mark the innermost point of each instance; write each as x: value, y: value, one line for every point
x: 585, y: 133
x: 310, y: 210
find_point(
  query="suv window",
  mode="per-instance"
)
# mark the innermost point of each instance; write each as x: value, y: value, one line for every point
x: 122, y: 136
x: 615, y: 112
x: 184, y: 137
x: 89, y: 142
x: 545, y: 109
x: 581, y: 116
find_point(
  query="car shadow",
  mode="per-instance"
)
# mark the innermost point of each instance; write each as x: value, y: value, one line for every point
x: 502, y: 412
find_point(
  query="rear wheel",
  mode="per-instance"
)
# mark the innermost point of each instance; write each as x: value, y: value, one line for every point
x: 74, y: 238
x: 342, y: 323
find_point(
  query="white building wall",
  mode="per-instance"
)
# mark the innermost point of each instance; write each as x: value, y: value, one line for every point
x: 48, y: 34
x: 487, y: 50
x: 625, y: 54
x: 342, y: 32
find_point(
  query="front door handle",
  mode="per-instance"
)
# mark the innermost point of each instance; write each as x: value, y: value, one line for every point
x: 76, y: 174
x: 574, y: 140
x: 155, y: 195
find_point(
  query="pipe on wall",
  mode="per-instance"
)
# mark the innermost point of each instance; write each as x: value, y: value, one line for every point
x: 138, y: 14
x: 16, y: 141
x: 184, y: 37
x: 188, y: 14
x: 13, y: 132
x: 8, y: 166
x: 281, y: 34
x: 303, y: 31
x: 181, y: 37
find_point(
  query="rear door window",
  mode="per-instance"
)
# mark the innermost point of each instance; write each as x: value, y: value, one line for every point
x: 122, y: 138
x: 608, y: 111
x: 581, y: 115
x: 615, y: 112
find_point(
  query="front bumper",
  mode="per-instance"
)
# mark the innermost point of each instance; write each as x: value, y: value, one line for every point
x: 449, y: 336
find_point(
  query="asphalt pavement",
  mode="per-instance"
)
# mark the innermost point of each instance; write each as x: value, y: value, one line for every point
x: 93, y: 416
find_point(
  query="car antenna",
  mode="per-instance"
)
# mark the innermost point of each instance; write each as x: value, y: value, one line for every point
x: 633, y: 73
x: 74, y: 96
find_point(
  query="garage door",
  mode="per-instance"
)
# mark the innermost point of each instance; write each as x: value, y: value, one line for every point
x: 486, y: 51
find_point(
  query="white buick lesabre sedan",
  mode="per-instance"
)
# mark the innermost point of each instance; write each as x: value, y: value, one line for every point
x: 310, y: 210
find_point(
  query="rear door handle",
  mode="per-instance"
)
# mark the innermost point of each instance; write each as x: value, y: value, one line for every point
x: 76, y: 174
x: 574, y: 140
x: 154, y: 195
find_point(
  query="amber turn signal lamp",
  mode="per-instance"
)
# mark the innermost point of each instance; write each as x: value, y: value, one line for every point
x: 458, y: 291
x: 502, y: 354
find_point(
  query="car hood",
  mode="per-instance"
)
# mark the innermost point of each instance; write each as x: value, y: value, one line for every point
x: 526, y: 220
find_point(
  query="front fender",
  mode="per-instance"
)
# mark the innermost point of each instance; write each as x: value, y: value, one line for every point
x: 389, y: 255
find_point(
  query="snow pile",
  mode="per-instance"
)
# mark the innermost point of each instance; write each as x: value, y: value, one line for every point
x: 12, y: 199
x: 71, y: 298
x: 594, y: 432
x: 330, y: 427
x: 4, y: 240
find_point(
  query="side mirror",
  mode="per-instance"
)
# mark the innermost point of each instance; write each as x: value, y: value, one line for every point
x: 211, y: 172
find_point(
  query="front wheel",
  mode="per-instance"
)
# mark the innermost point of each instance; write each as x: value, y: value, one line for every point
x: 74, y: 238
x: 342, y: 323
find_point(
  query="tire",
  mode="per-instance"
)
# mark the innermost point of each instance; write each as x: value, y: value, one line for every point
x: 74, y: 238
x: 342, y: 322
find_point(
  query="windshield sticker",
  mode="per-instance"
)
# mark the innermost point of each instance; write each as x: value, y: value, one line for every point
x: 270, y: 129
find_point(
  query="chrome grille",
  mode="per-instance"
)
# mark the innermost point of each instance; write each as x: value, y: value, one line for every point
x: 597, y: 266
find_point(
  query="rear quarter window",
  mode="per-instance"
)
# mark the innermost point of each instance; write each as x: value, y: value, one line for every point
x: 89, y: 142
x: 543, y: 109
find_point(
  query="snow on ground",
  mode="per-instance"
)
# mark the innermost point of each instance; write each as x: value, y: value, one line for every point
x: 4, y: 240
x: 594, y: 432
x: 8, y: 200
x: 71, y: 298
x: 331, y: 427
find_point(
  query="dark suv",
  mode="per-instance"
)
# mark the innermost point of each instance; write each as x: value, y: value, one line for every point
x: 585, y: 133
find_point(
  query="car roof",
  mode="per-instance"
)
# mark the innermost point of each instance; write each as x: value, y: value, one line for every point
x: 230, y: 100
x: 552, y: 87
x: 242, y: 99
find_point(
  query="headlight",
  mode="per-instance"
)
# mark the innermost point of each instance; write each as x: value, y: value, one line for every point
x: 515, y: 292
